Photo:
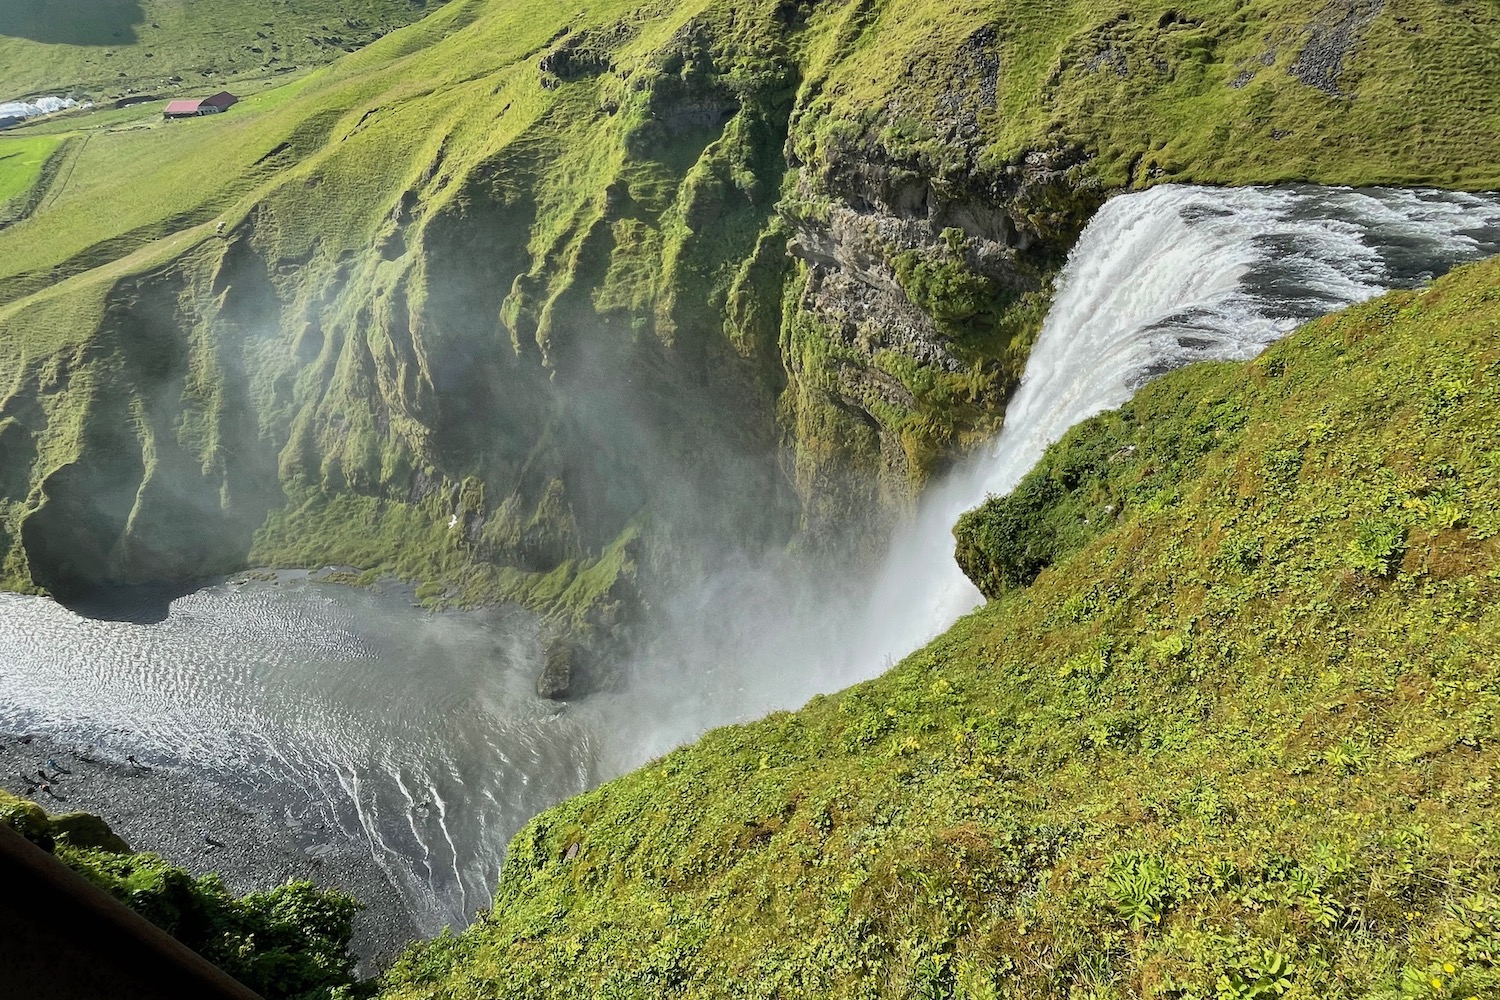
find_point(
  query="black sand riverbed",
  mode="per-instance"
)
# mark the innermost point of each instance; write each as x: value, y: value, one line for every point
x: 167, y: 808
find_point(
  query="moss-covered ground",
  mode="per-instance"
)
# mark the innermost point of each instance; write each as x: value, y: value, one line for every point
x: 1232, y: 736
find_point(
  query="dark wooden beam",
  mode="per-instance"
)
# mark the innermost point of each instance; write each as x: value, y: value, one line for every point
x: 64, y: 938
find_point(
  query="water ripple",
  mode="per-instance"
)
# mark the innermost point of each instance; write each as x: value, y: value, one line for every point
x: 416, y: 734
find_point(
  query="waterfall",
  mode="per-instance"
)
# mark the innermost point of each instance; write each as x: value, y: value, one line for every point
x: 1160, y: 279
x: 383, y: 736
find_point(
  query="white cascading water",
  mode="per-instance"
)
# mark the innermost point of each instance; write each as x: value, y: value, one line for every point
x: 379, y: 728
x: 1160, y: 279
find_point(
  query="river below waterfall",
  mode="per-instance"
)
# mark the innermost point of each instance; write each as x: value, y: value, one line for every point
x: 368, y: 728
x: 350, y: 715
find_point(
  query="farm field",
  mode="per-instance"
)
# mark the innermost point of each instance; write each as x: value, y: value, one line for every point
x: 22, y: 161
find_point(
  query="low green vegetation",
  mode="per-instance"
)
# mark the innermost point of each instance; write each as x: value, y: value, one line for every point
x: 502, y: 303
x: 585, y: 596
x: 1226, y: 730
x: 23, y: 165
x: 291, y: 943
x: 1227, y: 91
x: 1124, y: 460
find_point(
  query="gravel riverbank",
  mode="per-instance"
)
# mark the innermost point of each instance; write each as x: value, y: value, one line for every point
x: 167, y: 808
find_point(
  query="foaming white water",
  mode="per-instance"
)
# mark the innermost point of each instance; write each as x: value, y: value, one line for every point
x: 1160, y: 279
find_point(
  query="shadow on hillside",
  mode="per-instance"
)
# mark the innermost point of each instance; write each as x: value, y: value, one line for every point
x: 72, y: 22
x: 147, y: 604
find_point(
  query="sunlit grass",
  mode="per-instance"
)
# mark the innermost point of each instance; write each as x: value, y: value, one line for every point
x: 102, y: 49
x: 1214, y: 751
x: 21, y: 162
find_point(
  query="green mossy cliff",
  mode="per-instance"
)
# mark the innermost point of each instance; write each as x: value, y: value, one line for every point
x: 1228, y: 731
x: 532, y: 303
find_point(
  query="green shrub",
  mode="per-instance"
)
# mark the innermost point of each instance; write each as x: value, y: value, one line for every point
x: 1378, y: 546
x: 1141, y: 887
x: 944, y: 288
x: 291, y: 943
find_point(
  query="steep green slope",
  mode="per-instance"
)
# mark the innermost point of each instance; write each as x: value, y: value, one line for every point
x: 380, y: 383
x: 105, y: 49
x: 1237, y: 740
x: 531, y: 302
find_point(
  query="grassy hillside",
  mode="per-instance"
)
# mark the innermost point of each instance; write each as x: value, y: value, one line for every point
x: 105, y: 49
x: 1235, y: 738
x: 350, y: 379
x: 1213, y: 90
x: 21, y: 162
x: 504, y: 300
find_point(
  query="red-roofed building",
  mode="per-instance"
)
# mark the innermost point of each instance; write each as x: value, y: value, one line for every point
x: 202, y: 106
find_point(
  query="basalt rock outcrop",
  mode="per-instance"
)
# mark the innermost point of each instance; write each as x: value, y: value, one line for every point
x: 911, y: 276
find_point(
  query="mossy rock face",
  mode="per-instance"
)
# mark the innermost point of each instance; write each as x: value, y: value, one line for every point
x: 88, y: 832
x: 26, y: 818
x: 506, y: 285
x: 1006, y: 543
x: 79, y: 830
x: 388, y: 433
x: 1085, y: 483
x: 556, y: 678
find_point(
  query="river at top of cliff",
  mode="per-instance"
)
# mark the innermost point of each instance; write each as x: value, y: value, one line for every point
x: 418, y: 738
x: 35, y: 108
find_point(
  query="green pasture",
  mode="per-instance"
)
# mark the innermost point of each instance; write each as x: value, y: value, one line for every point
x: 22, y: 160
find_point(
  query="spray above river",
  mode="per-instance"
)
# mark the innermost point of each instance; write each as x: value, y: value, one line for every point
x: 417, y: 738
